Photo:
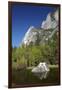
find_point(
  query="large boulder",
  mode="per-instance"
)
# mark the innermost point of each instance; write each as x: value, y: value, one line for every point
x: 42, y: 67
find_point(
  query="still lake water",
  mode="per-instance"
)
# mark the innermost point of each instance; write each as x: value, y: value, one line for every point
x: 27, y: 77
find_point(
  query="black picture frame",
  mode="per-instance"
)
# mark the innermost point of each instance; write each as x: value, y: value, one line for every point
x: 10, y: 4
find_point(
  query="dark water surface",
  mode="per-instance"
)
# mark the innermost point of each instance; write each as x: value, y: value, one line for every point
x: 27, y: 77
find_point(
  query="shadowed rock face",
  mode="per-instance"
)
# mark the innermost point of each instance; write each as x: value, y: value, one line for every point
x: 42, y: 67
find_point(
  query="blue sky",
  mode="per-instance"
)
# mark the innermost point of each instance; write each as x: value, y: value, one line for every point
x: 24, y: 16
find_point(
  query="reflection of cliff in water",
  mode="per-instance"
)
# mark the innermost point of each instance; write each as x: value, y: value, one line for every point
x: 42, y: 75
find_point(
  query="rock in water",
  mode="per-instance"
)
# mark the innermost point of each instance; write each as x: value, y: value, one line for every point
x: 42, y: 67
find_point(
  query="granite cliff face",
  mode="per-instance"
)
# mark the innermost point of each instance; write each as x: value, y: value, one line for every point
x: 41, y: 35
x: 51, y: 21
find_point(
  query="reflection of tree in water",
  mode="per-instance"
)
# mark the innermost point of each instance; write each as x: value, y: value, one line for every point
x: 42, y: 75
